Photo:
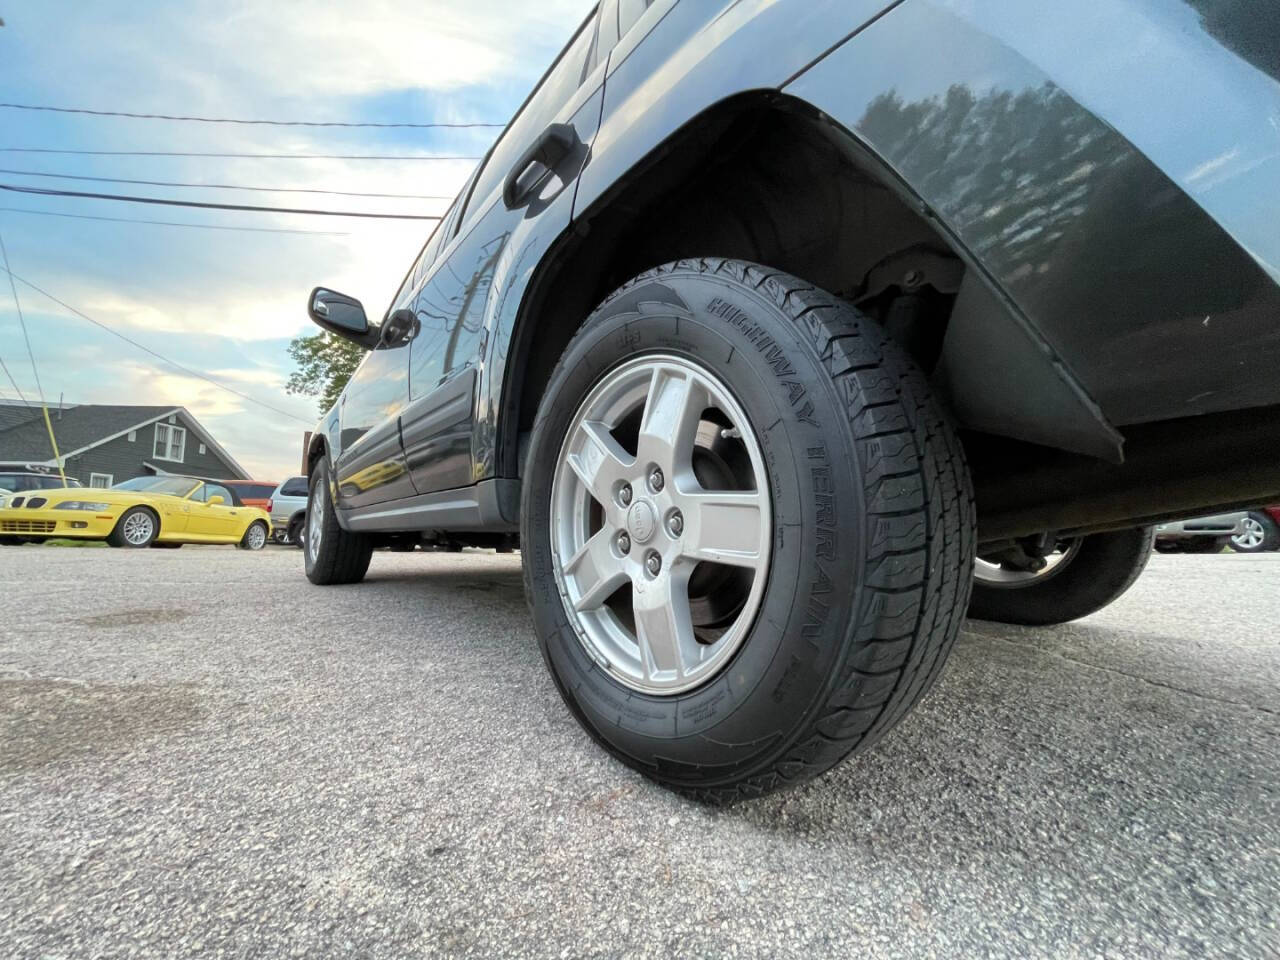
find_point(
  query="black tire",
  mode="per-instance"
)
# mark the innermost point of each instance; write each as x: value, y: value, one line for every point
x: 1103, y: 567
x: 244, y: 543
x: 10, y: 541
x: 116, y: 537
x: 1270, y: 534
x: 1205, y: 544
x: 296, y: 530
x: 340, y: 556
x: 871, y: 561
x: 165, y: 545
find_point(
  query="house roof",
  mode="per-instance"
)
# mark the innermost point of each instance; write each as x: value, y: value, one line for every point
x: 84, y: 426
x: 12, y: 414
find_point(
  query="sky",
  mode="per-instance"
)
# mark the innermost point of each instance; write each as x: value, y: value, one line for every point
x: 227, y: 302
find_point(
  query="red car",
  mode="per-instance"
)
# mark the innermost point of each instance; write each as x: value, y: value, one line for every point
x: 252, y: 493
x: 1261, y: 531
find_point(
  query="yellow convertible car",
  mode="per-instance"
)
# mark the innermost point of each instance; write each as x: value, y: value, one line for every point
x: 143, y: 512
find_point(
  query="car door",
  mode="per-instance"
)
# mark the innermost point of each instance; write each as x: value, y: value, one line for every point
x: 513, y: 196
x: 369, y: 465
x: 223, y: 520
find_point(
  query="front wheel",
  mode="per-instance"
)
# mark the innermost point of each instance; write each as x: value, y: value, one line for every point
x: 137, y: 527
x: 748, y: 531
x: 1079, y: 577
x: 330, y: 554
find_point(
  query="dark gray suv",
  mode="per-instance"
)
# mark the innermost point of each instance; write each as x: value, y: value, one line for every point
x: 762, y: 322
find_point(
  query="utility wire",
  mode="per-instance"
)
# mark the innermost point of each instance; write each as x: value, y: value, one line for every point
x: 228, y: 186
x: 271, y: 123
x: 5, y: 367
x: 21, y: 320
x: 42, y: 191
x: 173, y: 223
x: 244, y: 156
x: 48, y: 424
x: 159, y: 356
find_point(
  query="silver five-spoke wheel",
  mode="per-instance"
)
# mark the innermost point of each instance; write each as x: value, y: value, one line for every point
x: 660, y: 524
x: 1252, y: 536
x: 315, y: 522
x: 994, y: 573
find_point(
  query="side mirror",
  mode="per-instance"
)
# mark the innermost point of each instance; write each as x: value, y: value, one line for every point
x: 343, y: 315
x: 215, y: 500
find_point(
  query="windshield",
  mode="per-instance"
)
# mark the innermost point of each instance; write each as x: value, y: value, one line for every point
x: 175, y: 486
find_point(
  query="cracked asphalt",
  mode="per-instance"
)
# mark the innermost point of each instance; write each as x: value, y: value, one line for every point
x: 201, y: 755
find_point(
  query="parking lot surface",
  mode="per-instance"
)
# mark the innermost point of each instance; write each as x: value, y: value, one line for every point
x: 202, y: 755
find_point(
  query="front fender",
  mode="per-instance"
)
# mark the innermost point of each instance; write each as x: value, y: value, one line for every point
x: 1113, y: 167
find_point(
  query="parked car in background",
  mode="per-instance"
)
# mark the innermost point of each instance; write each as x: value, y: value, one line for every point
x: 32, y: 478
x: 145, y: 511
x: 288, y: 508
x: 1210, y: 534
x: 252, y: 493
x: 1261, y: 532
x: 760, y: 322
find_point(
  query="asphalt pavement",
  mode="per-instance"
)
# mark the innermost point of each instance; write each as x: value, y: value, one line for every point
x: 202, y: 755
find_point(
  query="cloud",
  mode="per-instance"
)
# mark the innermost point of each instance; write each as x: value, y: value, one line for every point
x: 226, y: 303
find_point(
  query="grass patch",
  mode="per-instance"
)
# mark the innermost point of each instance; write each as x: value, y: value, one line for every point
x: 68, y: 542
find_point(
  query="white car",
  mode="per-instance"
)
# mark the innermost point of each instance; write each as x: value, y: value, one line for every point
x: 288, y: 509
x: 1200, y: 534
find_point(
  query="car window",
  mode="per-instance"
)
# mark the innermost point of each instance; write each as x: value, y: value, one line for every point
x: 259, y: 491
x: 215, y: 490
x: 177, y: 486
x: 629, y: 11
x: 606, y: 35
x: 14, y: 482
x: 294, y: 487
x: 557, y: 86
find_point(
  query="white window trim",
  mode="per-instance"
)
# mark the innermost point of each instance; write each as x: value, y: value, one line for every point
x: 202, y: 450
x: 182, y: 447
x: 106, y: 476
x: 133, y: 435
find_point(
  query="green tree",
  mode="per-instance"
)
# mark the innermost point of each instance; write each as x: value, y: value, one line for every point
x: 325, y: 364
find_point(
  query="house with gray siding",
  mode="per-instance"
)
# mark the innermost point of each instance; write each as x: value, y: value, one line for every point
x: 104, y: 444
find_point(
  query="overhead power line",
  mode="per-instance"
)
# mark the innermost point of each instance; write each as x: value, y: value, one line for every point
x: 43, y: 192
x: 243, y: 156
x: 159, y: 356
x: 269, y: 123
x: 173, y: 223
x: 44, y: 407
x: 227, y: 186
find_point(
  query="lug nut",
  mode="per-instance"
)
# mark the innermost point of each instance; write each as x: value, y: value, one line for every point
x: 624, y: 542
x: 675, y: 523
x: 653, y: 564
x: 656, y: 480
x: 625, y: 494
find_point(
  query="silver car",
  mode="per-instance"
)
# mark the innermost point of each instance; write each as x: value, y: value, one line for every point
x: 289, y: 510
x: 1200, y: 534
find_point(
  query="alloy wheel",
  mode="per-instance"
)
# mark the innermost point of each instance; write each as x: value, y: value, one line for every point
x: 315, y: 522
x: 660, y: 524
x: 1253, y: 536
x: 994, y: 574
x: 138, y: 528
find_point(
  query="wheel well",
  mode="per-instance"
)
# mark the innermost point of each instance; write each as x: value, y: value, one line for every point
x: 315, y: 453
x: 758, y: 177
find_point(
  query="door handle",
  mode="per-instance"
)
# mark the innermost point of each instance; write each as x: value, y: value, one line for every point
x: 553, y: 145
